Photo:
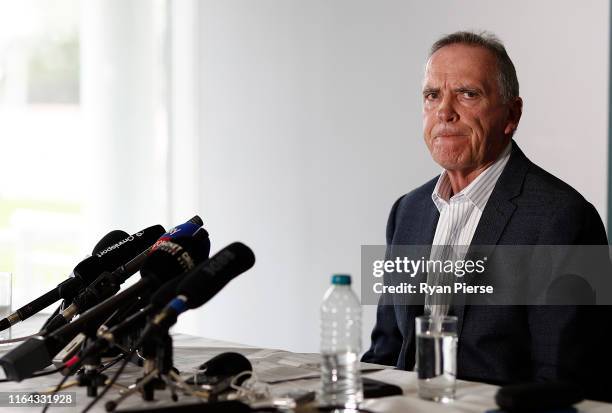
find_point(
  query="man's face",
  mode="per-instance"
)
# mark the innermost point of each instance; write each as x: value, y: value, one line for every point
x: 466, y: 124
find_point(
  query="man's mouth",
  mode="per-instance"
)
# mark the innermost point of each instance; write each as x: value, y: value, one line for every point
x: 452, y: 135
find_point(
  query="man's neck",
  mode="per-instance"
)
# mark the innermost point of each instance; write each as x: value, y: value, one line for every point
x: 460, y: 179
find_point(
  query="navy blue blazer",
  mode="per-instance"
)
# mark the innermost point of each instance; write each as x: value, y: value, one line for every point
x: 506, y: 344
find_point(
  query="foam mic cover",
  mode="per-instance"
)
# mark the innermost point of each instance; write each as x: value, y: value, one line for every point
x: 227, y: 364
x: 108, y: 284
x: 109, y: 239
x: 158, y: 298
x: 174, y: 257
x: 222, y: 366
x: 106, y: 241
x: 201, y: 284
x: 207, y: 279
x: 108, y: 259
x: 113, y: 256
x: 531, y: 397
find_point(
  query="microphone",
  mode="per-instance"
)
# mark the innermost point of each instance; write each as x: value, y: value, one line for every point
x: 108, y: 336
x: 117, y: 322
x: 158, y: 301
x: 87, y: 270
x: 108, y: 283
x: 169, y: 259
x: 109, y: 330
x: 202, y: 283
x: 108, y: 240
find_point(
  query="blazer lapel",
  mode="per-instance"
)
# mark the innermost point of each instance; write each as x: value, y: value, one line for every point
x: 497, y: 212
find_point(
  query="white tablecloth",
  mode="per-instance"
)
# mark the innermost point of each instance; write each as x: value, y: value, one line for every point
x: 191, y: 351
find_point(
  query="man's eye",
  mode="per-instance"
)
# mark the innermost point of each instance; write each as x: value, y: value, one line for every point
x: 469, y: 94
x: 431, y: 96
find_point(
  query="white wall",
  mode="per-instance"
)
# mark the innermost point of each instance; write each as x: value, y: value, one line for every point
x: 310, y: 128
x: 123, y: 116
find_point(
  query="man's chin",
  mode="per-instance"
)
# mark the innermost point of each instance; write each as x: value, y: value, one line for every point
x: 452, y: 166
x: 450, y: 161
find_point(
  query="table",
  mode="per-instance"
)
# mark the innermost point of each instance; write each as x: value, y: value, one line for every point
x: 191, y: 351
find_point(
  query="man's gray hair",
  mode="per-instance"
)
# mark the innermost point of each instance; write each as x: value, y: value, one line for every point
x: 508, y: 82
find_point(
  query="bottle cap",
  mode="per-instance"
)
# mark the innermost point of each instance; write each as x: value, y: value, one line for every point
x: 341, y: 279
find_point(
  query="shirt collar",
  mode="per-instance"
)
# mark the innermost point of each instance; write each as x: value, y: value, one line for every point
x: 478, y: 191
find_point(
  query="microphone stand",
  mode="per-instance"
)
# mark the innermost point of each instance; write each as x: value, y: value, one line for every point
x: 158, y: 357
x: 158, y: 371
x: 90, y: 374
x: 58, y: 310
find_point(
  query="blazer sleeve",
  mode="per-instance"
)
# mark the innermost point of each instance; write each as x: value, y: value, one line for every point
x: 567, y: 342
x: 386, y: 336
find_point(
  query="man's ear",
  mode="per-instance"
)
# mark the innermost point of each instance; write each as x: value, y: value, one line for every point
x: 515, y: 110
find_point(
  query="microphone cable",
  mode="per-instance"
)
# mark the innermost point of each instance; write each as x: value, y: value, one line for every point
x: 112, y: 381
x: 59, y: 386
x: 55, y: 390
x: 17, y: 339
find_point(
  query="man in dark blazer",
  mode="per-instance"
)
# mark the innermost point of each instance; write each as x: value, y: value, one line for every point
x: 471, y: 110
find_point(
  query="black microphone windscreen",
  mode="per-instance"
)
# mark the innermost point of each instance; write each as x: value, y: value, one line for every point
x: 109, y: 239
x: 227, y: 364
x: 117, y: 254
x: 174, y: 257
x: 207, y: 279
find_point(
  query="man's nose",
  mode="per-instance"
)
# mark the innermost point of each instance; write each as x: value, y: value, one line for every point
x: 446, y: 110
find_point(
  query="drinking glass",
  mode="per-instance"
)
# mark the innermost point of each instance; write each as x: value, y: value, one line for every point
x: 436, y: 357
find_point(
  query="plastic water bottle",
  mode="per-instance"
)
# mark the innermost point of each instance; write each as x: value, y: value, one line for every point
x: 340, y: 345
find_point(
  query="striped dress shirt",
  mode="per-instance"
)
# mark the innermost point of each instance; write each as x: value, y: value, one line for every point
x: 459, y: 217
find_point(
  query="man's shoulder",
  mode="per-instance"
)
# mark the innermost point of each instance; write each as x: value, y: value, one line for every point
x: 543, y: 187
x: 525, y: 182
x: 550, y: 211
